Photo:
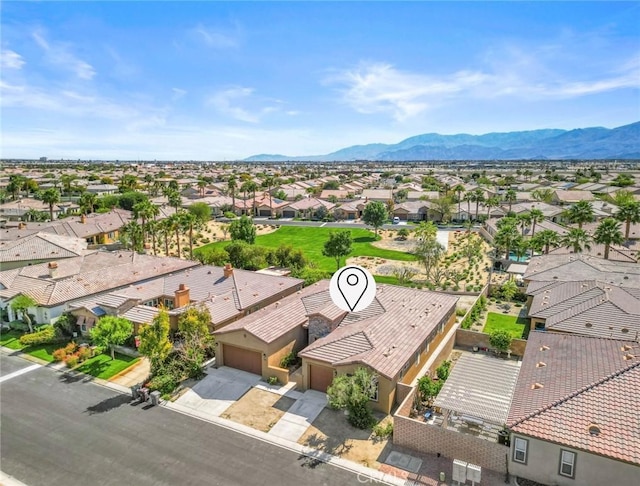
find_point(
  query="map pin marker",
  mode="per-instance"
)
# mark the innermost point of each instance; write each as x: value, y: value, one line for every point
x: 352, y: 288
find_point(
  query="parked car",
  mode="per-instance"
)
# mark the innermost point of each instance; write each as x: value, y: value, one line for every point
x: 396, y: 220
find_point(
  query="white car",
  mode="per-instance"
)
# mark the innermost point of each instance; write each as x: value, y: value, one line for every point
x: 396, y: 220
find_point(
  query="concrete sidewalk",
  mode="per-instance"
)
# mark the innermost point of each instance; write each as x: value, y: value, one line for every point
x: 133, y: 375
x: 295, y: 422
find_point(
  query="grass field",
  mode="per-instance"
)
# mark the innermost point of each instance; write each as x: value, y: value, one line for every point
x: 517, y: 327
x: 311, y: 242
x: 102, y: 366
x: 10, y: 339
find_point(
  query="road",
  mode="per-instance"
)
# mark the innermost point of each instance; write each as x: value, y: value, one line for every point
x: 337, y: 224
x: 60, y: 430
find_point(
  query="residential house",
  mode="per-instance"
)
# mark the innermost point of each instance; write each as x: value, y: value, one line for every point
x: 349, y: 210
x: 393, y: 337
x: 412, y: 211
x: 382, y: 195
x: 562, y: 197
x: 101, y: 189
x: 574, y: 415
x: 38, y: 248
x: 16, y: 210
x: 305, y: 208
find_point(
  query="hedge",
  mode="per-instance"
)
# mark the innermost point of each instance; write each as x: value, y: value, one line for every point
x: 44, y: 335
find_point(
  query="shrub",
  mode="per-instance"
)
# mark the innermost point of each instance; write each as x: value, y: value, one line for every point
x: 229, y: 215
x: 70, y: 348
x: 44, y: 335
x: 288, y: 359
x: 84, y: 353
x: 383, y: 431
x: 164, y: 383
x: 443, y: 370
x: 460, y: 312
x: 18, y: 326
x: 273, y: 380
x: 500, y: 339
x: 72, y: 361
x: 59, y: 354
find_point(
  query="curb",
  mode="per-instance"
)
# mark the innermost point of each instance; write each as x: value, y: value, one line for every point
x: 365, y: 474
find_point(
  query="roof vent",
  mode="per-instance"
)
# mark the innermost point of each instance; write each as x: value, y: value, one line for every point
x: 628, y: 357
x: 544, y: 347
x: 541, y: 364
x: 626, y: 347
x: 537, y: 386
x: 624, y: 330
x: 588, y: 324
x: 594, y: 429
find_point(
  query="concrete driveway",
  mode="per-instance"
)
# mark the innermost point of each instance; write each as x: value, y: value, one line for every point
x: 218, y: 390
x: 294, y: 423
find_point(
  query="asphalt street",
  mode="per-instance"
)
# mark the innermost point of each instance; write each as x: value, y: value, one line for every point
x: 58, y: 430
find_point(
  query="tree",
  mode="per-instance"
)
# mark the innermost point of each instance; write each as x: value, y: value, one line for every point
x: 546, y: 239
x: 623, y: 180
x: 492, y: 202
x: 429, y: 252
x: 174, y: 198
x: 608, y: 233
x: 232, y: 185
x: 507, y: 235
x: 20, y: 305
x: 426, y: 230
x: 243, y: 229
x: 88, y: 202
x: 509, y: 289
x: 201, y: 211
x: 500, y: 339
x: 129, y: 182
x: 510, y: 196
x: 577, y: 239
x: 478, y: 197
x: 353, y: 393
x: 337, y: 246
x: 458, y: 189
x: 629, y: 212
x: 536, y: 216
x: 189, y: 221
x: 111, y: 331
x: 130, y: 236
x: 580, y: 213
x: 154, y: 340
x: 375, y: 214
x: 443, y: 206
x: 51, y: 196
x: 193, y: 326
x: 543, y: 195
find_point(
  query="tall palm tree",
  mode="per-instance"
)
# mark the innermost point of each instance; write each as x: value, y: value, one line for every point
x: 536, y: 217
x: 546, y: 239
x: 174, y: 223
x: 478, y: 197
x: 88, y: 202
x: 543, y: 195
x: 131, y: 235
x: 629, y: 212
x: 174, y: 198
x: 524, y: 220
x: 189, y: 221
x: 577, y: 239
x: 468, y: 197
x: 201, y: 185
x: 507, y: 235
x: 510, y: 196
x: 581, y: 212
x: 459, y: 189
x: 608, y: 233
x: 51, y: 197
x: 492, y: 202
x: 232, y: 185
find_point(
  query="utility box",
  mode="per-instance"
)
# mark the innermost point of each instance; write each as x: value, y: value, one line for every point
x: 459, y: 473
x: 155, y: 397
x: 474, y: 473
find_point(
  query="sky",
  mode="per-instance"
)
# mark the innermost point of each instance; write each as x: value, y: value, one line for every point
x: 208, y: 80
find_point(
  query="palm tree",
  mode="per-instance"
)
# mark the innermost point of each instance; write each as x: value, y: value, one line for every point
x: 458, y: 190
x: 546, y: 239
x: 536, y: 217
x: 148, y: 180
x: 524, y: 220
x: 478, y: 197
x: 201, y: 185
x: 174, y: 223
x: 468, y: 197
x: 51, y: 197
x: 581, y: 212
x: 153, y: 228
x: 189, y: 221
x: 507, y: 235
x: 129, y: 182
x: 629, y: 212
x: 542, y: 195
x: 232, y: 185
x: 577, y: 239
x: 131, y: 235
x: 608, y: 233
x: 492, y: 202
x: 88, y: 202
x: 510, y: 196
x: 174, y: 198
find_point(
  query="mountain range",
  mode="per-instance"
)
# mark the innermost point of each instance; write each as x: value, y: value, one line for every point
x: 545, y: 144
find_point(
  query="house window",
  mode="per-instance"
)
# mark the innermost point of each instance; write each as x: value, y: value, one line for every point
x: 374, y: 394
x: 168, y: 303
x: 520, y: 447
x: 83, y: 327
x: 417, y: 358
x: 567, y: 463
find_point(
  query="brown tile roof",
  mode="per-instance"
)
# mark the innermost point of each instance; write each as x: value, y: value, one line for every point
x: 40, y: 246
x: 568, y: 383
x: 275, y: 320
x: 409, y: 317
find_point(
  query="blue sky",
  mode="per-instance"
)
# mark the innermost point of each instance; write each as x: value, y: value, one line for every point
x: 225, y: 80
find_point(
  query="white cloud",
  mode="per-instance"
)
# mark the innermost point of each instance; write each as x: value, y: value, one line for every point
x: 213, y: 38
x: 10, y: 59
x: 177, y: 93
x: 59, y: 54
x: 241, y: 104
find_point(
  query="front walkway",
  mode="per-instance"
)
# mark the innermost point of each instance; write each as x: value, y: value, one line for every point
x: 295, y: 422
x: 134, y: 375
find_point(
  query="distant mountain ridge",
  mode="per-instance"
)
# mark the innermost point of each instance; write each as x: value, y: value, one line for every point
x: 554, y: 144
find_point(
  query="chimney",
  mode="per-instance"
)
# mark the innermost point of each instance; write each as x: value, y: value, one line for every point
x: 83, y: 219
x: 22, y: 225
x: 228, y: 270
x: 53, y: 269
x: 181, y: 296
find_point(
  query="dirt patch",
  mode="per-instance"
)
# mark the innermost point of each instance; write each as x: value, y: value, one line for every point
x: 258, y: 409
x: 331, y: 433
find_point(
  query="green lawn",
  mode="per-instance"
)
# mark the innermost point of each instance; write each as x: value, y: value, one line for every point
x: 10, y: 339
x: 102, y: 366
x: 517, y: 327
x: 311, y: 242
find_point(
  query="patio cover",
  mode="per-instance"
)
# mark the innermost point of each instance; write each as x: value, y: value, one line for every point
x: 518, y: 268
x: 480, y: 386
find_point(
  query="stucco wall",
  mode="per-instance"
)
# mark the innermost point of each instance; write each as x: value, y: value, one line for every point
x: 469, y: 339
x: 543, y: 462
x: 431, y: 439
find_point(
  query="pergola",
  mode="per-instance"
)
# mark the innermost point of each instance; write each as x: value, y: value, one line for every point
x: 479, y: 388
